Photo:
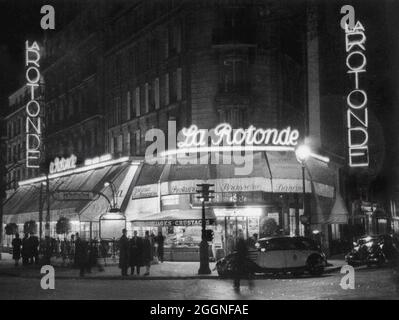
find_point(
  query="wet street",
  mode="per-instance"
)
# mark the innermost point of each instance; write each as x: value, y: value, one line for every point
x: 369, y: 284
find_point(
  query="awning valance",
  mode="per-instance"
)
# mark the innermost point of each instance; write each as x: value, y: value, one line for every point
x: 277, y: 172
x: 173, y: 218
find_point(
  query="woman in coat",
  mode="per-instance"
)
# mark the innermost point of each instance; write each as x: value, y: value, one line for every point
x: 16, y: 249
x: 147, y: 253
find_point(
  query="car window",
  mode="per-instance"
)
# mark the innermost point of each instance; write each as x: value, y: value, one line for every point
x: 278, y: 244
x: 307, y: 244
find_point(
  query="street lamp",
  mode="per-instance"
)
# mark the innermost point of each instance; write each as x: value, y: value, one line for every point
x: 302, y: 153
x: 204, y: 196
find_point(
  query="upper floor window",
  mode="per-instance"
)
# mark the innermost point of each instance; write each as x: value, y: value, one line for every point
x: 174, y: 39
x: 137, y: 102
x: 234, y: 75
x: 128, y: 105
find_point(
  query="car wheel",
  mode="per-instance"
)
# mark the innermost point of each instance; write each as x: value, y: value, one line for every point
x: 315, y: 265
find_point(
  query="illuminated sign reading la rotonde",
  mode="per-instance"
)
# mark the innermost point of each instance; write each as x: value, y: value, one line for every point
x: 225, y: 134
x: 357, y: 114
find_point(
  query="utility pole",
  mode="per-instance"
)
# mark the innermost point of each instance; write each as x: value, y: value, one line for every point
x: 3, y: 195
x: 48, y: 206
x: 41, y: 213
x: 204, y: 196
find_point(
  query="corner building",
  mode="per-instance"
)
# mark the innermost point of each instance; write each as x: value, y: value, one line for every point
x: 205, y: 63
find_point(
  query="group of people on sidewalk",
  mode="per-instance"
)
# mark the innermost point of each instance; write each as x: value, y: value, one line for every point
x: 27, y: 248
x: 80, y: 253
x: 138, y: 252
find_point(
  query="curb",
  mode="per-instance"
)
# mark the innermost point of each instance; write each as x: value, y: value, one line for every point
x: 117, y: 277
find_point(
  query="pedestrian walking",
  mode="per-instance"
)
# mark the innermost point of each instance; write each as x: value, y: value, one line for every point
x: 34, y: 248
x: 147, y: 253
x: 16, y: 249
x: 48, y: 250
x: 81, y: 254
x: 135, y: 253
x: 64, y: 250
x: 160, y: 240
x: 104, y: 248
x: 71, y: 251
x: 93, y: 256
x: 123, y: 253
x: 154, y: 246
x: 240, y: 262
x: 25, y: 250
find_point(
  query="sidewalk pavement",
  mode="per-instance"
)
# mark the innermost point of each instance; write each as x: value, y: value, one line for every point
x: 166, y: 270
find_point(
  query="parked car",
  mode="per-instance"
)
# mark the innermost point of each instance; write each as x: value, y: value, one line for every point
x: 279, y: 254
x: 373, y: 250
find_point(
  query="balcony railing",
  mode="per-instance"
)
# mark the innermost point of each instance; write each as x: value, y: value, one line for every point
x: 234, y: 35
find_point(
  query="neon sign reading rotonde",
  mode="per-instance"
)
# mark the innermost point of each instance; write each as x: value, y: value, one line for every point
x: 357, y: 114
x: 225, y: 134
x: 33, y: 121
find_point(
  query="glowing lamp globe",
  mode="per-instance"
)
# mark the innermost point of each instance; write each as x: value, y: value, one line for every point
x: 302, y: 153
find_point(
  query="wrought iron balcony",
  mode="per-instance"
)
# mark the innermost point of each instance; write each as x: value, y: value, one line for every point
x: 234, y: 36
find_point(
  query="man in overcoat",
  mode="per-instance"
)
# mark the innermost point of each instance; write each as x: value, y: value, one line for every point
x: 135, y: 253
x: 124, y: 253
x: 16, y: 249
x: 81, y: 254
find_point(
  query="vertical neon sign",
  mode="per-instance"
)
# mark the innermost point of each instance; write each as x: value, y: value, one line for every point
x: 357, y: 113
x: 33, y: 121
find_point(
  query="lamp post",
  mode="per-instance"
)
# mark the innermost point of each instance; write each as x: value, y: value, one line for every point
x: 302, y: 153
x: 3, y: 186
x: 113, y: 214
x: 204, y: 255
x: 113, y: 189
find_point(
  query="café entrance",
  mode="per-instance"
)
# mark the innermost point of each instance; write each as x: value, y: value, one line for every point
x: 231, y: 221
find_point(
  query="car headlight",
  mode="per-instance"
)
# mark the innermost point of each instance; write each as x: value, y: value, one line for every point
x: 263, y: 249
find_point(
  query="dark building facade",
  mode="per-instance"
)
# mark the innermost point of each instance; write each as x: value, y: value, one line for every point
x: 72, y: 73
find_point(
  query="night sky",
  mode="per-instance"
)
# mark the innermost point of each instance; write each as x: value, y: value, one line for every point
x: 20, y: 20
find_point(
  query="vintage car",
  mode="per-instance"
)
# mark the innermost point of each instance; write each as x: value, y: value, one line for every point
x: 296, y: 255
x: 373, y: 250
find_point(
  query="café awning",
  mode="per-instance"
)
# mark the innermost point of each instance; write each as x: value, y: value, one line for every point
x: 23, y: 204
x: 277, y: 172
